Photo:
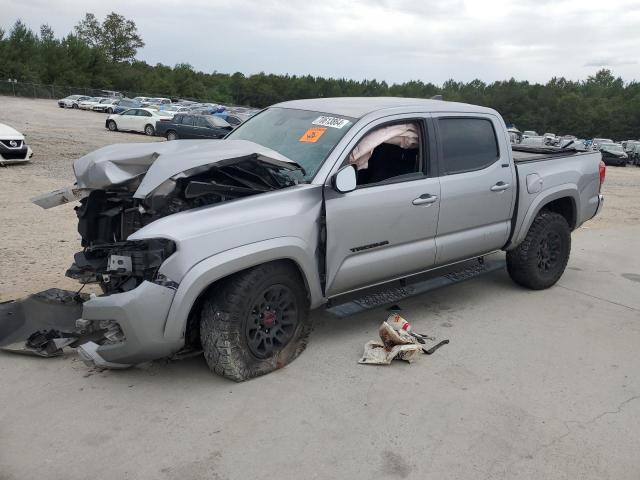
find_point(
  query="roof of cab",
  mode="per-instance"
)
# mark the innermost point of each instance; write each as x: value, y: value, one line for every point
x: 357, y: 107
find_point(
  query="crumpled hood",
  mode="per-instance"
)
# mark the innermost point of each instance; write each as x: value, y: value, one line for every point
x: 120, y: 163
x: 8, y: 133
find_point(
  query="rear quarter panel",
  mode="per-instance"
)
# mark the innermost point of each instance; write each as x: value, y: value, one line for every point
x: 575, y: 176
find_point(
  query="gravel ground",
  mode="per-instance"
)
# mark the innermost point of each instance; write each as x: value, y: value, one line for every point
x: 533, y: 384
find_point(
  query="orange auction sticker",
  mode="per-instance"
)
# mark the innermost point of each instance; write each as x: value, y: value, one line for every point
x: 312, y: 135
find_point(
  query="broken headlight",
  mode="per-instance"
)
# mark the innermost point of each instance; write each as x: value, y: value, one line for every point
x: 122, y: 266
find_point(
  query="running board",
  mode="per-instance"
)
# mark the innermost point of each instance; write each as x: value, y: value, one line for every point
x: 393, y: 292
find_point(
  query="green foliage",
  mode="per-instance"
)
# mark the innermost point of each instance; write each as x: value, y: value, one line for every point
x: 102, y: 55
x: 116, y: 36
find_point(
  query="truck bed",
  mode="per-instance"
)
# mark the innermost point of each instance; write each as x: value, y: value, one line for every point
x: 524, y: 154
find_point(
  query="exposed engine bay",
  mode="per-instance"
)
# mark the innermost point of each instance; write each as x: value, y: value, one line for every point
x: 107, y: 217
x: 123, y: 188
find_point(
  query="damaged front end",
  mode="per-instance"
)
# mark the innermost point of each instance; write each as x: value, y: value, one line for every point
x: 121, y: 189
x: 108, y: 216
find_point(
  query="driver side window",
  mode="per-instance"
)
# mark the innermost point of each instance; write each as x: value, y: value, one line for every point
x: 388, y: 152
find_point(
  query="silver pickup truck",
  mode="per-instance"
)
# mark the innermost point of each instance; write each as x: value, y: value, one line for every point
x: 226, y: 245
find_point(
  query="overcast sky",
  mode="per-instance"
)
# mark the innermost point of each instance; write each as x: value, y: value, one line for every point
x: 392, y: 40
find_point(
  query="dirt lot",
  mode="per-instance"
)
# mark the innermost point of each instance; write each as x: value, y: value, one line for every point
x: 533, y: 384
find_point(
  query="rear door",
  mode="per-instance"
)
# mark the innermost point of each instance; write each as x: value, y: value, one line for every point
x: 382, y: 230
x: 478, y: 186
x: 144, y: 118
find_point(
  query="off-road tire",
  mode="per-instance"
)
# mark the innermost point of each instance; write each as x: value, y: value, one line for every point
x: 230, y: 307
x: 527, y: 264
x: 149, y: 130
x: 112, y: 126
x: 172, y: 135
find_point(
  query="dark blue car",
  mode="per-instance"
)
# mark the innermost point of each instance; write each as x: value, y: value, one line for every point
x: 193, y: 126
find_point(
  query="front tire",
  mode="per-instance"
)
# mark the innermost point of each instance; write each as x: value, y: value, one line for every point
x: 539, y: 261
x: 111, y: 125
x: 149, y: 130
x: 255, y: 321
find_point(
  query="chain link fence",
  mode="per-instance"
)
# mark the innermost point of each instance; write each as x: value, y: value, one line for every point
x: 55, y: 92
x: 37, y: 90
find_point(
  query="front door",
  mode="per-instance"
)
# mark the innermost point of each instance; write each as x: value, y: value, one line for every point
x: 384, y: 229
x: 477, y: 186
x: 127, y: 119
x: 185, y: 129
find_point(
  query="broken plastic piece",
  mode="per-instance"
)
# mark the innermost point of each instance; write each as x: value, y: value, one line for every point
x: 88, y: 352
x: 32, y: 325
x: 60, y: 197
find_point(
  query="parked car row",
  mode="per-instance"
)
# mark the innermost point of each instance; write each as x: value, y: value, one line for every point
x: 118, y: 104
x: 613, y: 153
x: 172, y: 127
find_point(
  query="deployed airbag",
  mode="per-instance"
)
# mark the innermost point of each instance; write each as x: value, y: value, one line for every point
x: 404, y: 135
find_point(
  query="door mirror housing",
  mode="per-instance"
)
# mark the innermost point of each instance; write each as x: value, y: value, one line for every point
x: 345, y: 179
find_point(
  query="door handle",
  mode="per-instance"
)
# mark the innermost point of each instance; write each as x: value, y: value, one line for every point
x: 500, y: 187
x: 425, y: 199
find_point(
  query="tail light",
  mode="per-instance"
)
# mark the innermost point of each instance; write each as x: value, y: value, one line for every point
x: 603, y: 172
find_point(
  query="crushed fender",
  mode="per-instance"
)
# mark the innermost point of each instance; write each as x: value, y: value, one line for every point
x: 398, y: 342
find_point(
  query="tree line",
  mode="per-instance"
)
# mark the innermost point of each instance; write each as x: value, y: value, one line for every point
x: 102, y: 55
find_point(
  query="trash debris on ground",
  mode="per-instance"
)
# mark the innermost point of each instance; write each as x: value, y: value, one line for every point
x: 398, y: 341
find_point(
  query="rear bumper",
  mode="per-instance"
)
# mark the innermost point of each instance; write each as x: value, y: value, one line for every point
x: 141, y: 314
x: 600, y: 204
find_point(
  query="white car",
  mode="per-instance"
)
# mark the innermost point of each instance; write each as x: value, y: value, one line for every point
x: 13, y: 148
x: 89, y: 103
x: 106, y: 105
x: 136, y: 120
x: 72, y: 101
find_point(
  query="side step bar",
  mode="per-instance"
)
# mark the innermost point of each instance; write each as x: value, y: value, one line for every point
x: 393, y: 292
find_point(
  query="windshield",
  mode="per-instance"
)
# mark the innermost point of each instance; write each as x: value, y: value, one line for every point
x: 218, y: 122
x: 300, y: 135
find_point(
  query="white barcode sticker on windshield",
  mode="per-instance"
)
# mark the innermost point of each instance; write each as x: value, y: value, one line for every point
x: 332, y: 122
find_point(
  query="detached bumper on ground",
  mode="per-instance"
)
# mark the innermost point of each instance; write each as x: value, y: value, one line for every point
x: 112, y: 331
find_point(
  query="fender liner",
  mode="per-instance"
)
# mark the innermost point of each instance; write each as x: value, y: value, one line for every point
x: 223, y: 264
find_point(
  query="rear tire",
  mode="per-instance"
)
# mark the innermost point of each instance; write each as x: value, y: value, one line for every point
x: 539, y: 261
x: 111, y: 125
x: 149, y: 130
x: 172, y: 135
x: 255, y: 321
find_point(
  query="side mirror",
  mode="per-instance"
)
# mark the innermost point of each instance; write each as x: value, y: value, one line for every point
x: 345, y: 179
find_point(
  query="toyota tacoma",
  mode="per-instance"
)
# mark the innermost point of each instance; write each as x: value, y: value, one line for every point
x: 225, y: 246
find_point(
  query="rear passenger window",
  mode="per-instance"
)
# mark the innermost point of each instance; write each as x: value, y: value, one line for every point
x: 467, y: 144
x: 187, y: 120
